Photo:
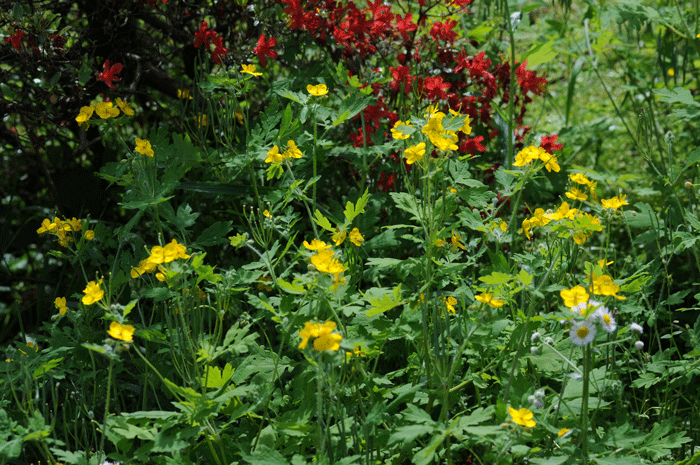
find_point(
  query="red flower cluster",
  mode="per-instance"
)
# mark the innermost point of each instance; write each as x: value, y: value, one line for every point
x: 16, y: 39
x: 205, y: 37
x: 109, y: 73
x: 264, y: 49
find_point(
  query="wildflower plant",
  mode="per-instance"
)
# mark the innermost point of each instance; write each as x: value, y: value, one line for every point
x: 347, y: 245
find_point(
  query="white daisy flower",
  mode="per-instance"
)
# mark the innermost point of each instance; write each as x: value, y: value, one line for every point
x: 637, y: 328
x: 586, y: 308
x: 582, y: 332
x: 605, y: 319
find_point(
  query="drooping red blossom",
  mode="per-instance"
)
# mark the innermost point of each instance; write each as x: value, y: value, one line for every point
x: 434, y: 88
x: 402, y: 77
x: 405, y: 25
x: 16, y: 39
x: 471, y: 145
x: 203, y: 36
x: 58, y: 41
x: 549, y: 143
x: 443, y: 31
x: 219, y: 49
x: 264, y: 49
x: 386, y: 183
x: 529, y: 81
x: 109, y: 73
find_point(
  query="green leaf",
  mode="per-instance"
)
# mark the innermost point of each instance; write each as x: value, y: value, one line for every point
x: 351, y: 211
x: 381, y: 300
x: 542, y: 53
x: 405, y: 202
x: 323, y: 222
x: 215, y: 377
x: 214, y: 234
x: 46, y: 367
x: 85, y: 72
x: 291, y: 287
x: 495, y: 278
x: 265, y: 456
x: 677, y: 95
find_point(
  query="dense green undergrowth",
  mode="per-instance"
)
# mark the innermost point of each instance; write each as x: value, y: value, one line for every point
x: 417, y: 232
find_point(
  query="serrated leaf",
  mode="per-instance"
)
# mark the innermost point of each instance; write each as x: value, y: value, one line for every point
x: 677, y: 95
x: 291, y: 287
x: 323, y: 222
x: 351, y: 211
x: 215, y: 377
x: 214, y: 234
x: 495, y: 278
x: 46, y: 367
x: 385, y: 302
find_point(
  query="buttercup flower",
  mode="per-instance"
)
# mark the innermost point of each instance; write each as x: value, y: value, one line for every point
x: 356, y: 237
x: 414, y: 153
x: 456, y: 240
x: 93, y: 292
x: 60, y: 304
x: 397, y: 134
x: 85, y: 114
x: 106, y: 110
x: 577, y: 194
x: 488, y: 299
x: 125, y: 107
x: 324, y: 338
x: 292, y: 150
x: 522, y: 417
x: 450, y: 303
x: 339, y: 236
x: 316, y: 245
x: 274, y: 155
x: 582, y: 332
x: 144, y: 147
x: 615, y: 202
x: 574, y: 296
x: 604, y: 285
x: 167, y: 254
x: 317, y: 90
x: 122, y: 332
x: 325, y: 262
x: 249, y: 69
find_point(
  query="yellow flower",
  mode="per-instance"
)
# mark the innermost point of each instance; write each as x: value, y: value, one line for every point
x: 167, y: 254
x: 671, y: 72
x: 450, y: 303
x: 456, y: 240
x: 316, y: 245
x: 89, y: 235
x: 324, y: 338
x: 550, y: 162
x: 574, y: 296
x: 201, y: 120
x: 143, y: 147
x: 122, y: 332
x: 106, y: 110
x: 125, y: 107
x: 356, y: 237
x: 488, y: 299
x: 249, y: 69
x: 85, y: 114
x: 325, y: 262
x: 145, y: 266
x: 292, y: 150
x: 267, y: 214
x: 528, y: 154
x: 274, y: 155
x: 414, y: 153
x: 577, y: 194
x: 93, y: 292
x: 562, y: 432
x: 604, y: 285
x: 522, y: 417
x: 317, y: 90
x: 339, y: 236
x: 615, y: 202
x: 580, y: 178
x: 184, y: 94
x: 239, y: 116
x: 60, y: 304
x: 397, y: 134
x: 48, y: 226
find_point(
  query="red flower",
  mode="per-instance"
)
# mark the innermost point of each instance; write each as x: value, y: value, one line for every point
x: 219, y: 49
x: 16, y: 39
x: 108, y: 73
x: 264, y: 49
x: 549, y: 143
x: 435, y: 87
x: 405, y: 25
x: 443, y: 31
x: 202, y: 36
x: 472, y: 145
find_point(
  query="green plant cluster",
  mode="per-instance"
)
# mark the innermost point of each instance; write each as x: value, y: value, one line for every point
x: 391, y: 249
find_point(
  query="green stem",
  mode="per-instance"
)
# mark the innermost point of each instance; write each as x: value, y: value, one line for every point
x: 104, y: 421
x: 584, y: 403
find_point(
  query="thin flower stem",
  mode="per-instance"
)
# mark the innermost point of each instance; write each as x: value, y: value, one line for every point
x: 100, y: 452
x: 584, y: 402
